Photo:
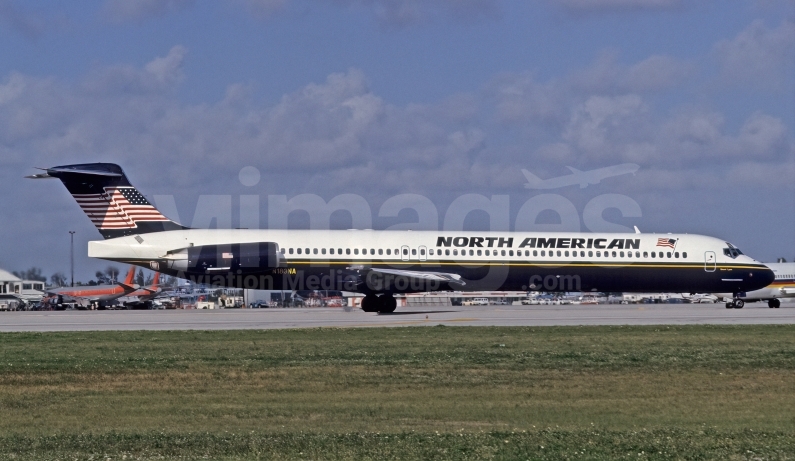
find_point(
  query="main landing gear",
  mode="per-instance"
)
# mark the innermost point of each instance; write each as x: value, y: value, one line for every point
x: 383, y: 304
x: 774, y: 303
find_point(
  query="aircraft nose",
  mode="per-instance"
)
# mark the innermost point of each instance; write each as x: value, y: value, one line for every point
x: 761, y: 277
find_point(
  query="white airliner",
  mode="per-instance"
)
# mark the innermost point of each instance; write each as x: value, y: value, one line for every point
x: 583, y: 178
x: 782, y: 287
x: 380, y: 264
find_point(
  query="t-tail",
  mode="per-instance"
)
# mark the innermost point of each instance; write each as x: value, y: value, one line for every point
x: 109, y: 200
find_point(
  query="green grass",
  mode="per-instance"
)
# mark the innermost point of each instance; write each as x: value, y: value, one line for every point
x: 690, y: 392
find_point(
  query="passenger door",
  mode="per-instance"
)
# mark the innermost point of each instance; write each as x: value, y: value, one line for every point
x: 404, y: 253
x: 423, y: 253
x: 709, y: 261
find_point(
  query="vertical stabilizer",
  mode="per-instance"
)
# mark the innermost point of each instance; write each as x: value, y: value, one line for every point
x: 109, y: 200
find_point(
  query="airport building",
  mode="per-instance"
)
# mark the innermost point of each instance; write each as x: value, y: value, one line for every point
x: 15, y: 291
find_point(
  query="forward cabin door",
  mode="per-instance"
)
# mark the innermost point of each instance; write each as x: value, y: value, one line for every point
x: 423, y: 253
x: 709, y: 261
x: 404, y: 253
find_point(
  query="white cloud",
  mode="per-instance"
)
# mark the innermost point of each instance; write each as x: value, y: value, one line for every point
x: 159, y: 74
x: 655, y: 73
x: 601, y: 122
x: 759, y: 56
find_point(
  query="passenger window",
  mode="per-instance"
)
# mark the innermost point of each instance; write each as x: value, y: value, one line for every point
x: 590, y: 254
x: 488, y: 253
x: 347, y: 251
x: 307, y: 250
x: 684, y: 254
x: 323, y: 250
x: 621, y: 253
x: 388, y: 251
x: 405, y: 251
x: 661, y: 254
x: 356, y: 251
x: 535, y: 252
x: 543, y: 253
x: 299, y: 251
x: 668, y: 254
x: 510, y: 252
x: 598, y: 254
x: 447, y: 252
x: 676, y: 254
x: 637, y: 254
x: 422, y: 251
x: 331, y: 250
x: 558, y: 252
x: 653, y: 254
x: 478, y: 252
x: 380, y: 251
x: 455, y: 252
x: 614, y: 254
x: 413, y: 252
x: 645, y: 254
x: 291, y: 251
x: 471, y: 252
x: 503, y: 252
x: 430, y: 252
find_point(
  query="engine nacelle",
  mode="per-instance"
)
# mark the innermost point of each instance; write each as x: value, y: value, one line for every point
x: 240, y: 258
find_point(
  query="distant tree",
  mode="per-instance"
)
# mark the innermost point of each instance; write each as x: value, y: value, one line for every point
x: 102, y: 279
x: 149, y: 279
x: 112, y: 274
x: 139, y: 278
x: 58, y: 279
x: 34, y: 273
x: 167, y: 282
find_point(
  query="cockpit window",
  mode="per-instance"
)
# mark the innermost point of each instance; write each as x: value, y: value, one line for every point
x: 732, y: 251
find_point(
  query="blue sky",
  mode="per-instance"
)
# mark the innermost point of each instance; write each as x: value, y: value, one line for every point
x: 385, y: 97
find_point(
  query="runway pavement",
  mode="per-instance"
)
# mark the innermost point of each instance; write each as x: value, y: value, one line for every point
x: 231, y: 319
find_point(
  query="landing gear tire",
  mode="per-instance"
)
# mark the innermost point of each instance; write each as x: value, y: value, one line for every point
x: 739, y: 303
x: 388, y: 304
x: 730, y: 305
x: 774, y: 304
x: 370, y: 303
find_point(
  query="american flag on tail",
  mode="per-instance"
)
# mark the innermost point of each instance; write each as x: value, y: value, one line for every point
x: 118, y: 208
x: 666, y: 242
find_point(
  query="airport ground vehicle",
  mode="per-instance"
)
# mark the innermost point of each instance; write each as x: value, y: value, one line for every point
x: 476, y: 302
x: 380, y: 264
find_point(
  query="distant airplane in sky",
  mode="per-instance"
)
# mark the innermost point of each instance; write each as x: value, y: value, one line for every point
x: 583, y: 178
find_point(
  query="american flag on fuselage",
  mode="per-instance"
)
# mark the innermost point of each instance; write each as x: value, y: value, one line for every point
x: 665, y: 242
x: 118, y: 208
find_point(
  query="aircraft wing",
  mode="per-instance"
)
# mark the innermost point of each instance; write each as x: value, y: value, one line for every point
x: 399, y: 280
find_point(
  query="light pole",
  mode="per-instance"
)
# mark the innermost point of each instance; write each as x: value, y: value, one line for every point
x: 72, y: 255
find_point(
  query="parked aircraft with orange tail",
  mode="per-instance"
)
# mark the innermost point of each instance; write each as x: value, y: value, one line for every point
x: 99, y: 296
x: 142, y: 298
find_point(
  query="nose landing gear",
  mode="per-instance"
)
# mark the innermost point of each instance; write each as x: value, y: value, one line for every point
x: 735, y: 303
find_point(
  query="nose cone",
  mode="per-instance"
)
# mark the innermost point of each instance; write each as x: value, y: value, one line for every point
x: 760, y: 278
